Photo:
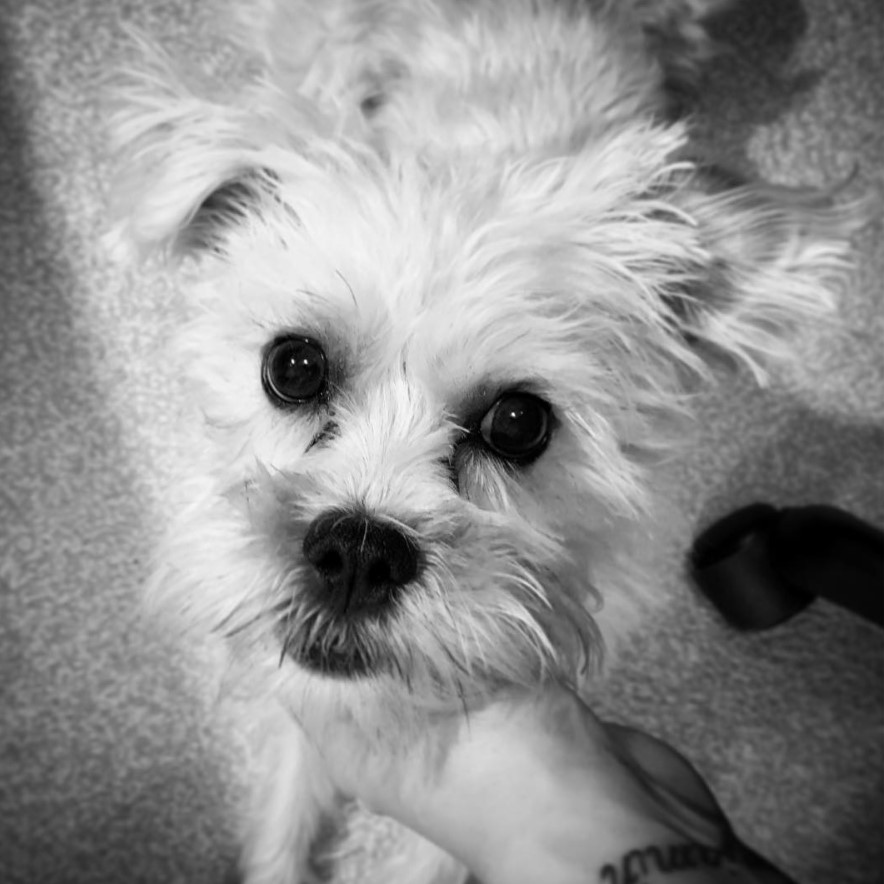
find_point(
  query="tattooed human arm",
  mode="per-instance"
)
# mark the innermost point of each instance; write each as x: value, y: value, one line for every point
x: 535, y: 789
x: 689, y: 863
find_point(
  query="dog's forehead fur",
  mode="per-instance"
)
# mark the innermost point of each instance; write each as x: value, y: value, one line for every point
x: 491, y: 271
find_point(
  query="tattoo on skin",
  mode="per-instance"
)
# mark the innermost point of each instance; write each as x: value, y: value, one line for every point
x: 657, y: 861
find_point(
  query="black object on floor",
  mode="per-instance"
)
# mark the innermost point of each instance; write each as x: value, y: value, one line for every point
x: 760, y: 566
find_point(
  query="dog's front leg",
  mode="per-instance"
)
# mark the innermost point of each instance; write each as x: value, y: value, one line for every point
x: 290, y: 795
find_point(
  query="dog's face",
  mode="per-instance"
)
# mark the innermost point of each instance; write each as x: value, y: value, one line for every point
x: 420, y: 417
x: 434, y: 391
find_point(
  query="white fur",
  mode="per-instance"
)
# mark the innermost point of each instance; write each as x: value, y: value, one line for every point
x: 454, y: 198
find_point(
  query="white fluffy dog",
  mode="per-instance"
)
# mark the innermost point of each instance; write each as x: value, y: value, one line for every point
x: 450, y: 265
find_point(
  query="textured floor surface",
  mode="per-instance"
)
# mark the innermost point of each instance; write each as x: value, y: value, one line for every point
x: 114, y: 766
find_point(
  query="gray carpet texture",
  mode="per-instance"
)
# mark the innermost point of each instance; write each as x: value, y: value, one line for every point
x: 117, y: 766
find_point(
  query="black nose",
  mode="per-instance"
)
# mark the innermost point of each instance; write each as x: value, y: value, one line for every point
x: 362, y: 562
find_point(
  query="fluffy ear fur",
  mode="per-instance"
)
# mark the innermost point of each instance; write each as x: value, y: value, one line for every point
x: 775, y: 257
x: 174, y: 152
x: 189, y: 167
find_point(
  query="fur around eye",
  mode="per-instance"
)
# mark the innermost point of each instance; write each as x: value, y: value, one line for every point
x: 517, y: 427
x: 294, y: 370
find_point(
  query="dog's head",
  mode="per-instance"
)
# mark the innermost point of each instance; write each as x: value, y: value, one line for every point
x: 434, y: 392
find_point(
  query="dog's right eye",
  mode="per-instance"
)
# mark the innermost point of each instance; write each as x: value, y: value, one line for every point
x: 517, y: 427
x: 294, y: 370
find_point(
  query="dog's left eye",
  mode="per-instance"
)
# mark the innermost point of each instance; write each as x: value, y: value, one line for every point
x: 294, y: 370
x: 517, y: 426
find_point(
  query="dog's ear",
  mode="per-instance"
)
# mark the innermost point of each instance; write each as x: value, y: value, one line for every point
x: 185, y: 176
x: 228, y: 205
x: 769, y: 259
x: 182, y: 212
x: 188, y: 169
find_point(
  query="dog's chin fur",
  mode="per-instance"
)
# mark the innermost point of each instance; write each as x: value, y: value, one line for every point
x: 456, y: 200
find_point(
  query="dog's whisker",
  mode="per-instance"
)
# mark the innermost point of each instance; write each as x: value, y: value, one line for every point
x: 227, y: 628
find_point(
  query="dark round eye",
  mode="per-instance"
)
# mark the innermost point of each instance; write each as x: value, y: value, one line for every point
x: 294, y: 370
x: 517, y: 426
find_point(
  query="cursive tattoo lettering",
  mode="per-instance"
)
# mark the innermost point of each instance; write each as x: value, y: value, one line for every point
x: 635, y: 866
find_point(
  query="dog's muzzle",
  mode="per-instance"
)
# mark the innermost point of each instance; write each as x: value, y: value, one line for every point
x: 363, y: 563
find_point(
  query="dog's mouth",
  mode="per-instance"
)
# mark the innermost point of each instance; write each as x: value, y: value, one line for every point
x: 331, y: 644
x: 332, y: 661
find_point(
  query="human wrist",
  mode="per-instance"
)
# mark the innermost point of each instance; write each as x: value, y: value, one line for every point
x: 518, y: 806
